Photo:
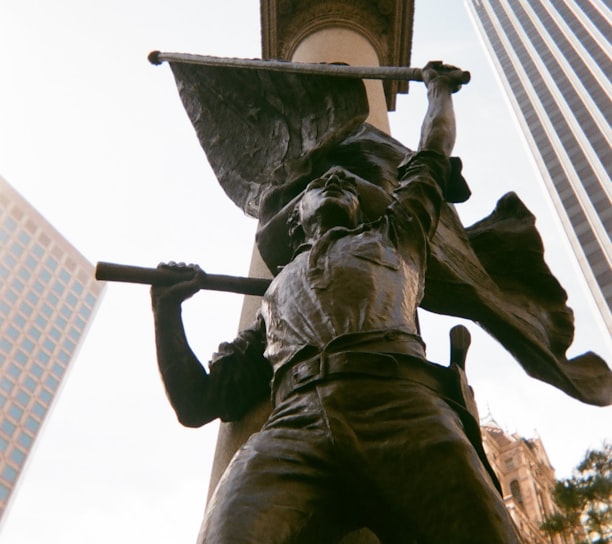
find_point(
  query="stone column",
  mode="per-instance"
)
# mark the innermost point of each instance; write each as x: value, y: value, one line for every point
x: 359, y: 33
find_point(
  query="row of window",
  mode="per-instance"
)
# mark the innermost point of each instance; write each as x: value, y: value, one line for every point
x: 8, y: 428
x: 593, y: 48
x: 576, y: 156
x: 593, y: 87
x: 42, y: 279
x: 577, y: 217
x: 51, y: 380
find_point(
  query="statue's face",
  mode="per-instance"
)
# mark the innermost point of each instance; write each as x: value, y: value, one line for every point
x: 331, y: 199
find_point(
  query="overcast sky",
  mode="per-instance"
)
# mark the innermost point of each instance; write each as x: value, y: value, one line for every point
x: 96, y: 138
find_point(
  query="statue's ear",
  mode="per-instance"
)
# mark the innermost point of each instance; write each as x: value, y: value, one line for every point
x: 260, y: 128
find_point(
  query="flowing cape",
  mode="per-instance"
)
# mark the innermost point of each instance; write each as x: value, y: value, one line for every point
x: 267, y: 133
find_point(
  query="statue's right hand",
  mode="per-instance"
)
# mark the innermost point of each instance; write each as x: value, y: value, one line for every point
x: 444, y: 74
x: 173, y: 295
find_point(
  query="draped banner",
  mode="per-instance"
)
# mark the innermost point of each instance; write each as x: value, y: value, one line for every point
x: 266, y: 134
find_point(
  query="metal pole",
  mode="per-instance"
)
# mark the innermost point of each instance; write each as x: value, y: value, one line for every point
x: 338, y: 70
x: 156, y: 276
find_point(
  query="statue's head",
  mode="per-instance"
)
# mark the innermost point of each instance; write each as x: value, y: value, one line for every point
x: 331, y: 200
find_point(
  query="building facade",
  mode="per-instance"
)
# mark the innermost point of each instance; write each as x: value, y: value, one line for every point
x: 527, y: 480
x: 48, y: 296
x: 554, y: 62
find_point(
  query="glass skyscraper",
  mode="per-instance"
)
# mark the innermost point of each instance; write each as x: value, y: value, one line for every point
x: 553, y: 59
x: 48, y: 296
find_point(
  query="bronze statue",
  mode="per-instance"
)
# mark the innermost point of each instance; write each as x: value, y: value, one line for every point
x: 358, y: 232
x: 364, y: 431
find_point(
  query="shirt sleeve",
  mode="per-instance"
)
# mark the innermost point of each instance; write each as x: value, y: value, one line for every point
x: 239, y: 373
x: 423, y: 180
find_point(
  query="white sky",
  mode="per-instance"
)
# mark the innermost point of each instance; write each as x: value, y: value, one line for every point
x: 96, y: 138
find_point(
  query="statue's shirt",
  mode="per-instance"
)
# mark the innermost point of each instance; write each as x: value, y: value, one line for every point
x: 352, y: 290
x: 350, y: 281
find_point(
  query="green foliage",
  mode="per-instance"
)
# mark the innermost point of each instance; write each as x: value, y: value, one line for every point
x: 585, y: 500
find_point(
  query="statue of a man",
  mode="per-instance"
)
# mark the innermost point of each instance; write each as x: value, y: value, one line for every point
x: 364, y: 431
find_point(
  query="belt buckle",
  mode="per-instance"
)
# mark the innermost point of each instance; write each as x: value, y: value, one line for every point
x: 305, y: 372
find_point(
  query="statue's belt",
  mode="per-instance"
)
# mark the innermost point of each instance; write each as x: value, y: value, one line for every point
x: 328, y: 366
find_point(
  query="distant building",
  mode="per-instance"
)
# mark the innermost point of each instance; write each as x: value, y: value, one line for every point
x: 554, y: 62
x: 48, y: 296
x: 527, y: 479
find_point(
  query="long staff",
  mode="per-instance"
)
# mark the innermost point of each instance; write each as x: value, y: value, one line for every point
x: 339, y: 70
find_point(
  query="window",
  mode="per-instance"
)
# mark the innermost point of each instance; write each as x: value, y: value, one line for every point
x: 46, y: 309
x: 38, y: 250
x: 34, y: 333
x: 7, y: 427
x: 21, y: 357
x: 29, y: 383
x: 28, y: 345
x: 32, y: 425
x: 16, y: 249
x: 25, y: 308
x: 4, y: 492
x: 39, y: 410
x: 5, y: 345
x: 30, y: 262
x: 9, y: 474
x: 10, y: 223
x: 51, y: 383
x: 45, y: 275
x: 37, y: 370
x: 22, y: 397
x: 90, y: 300
x: 17, y: 456
x: 51, y: 263
x: 19, y: 320
x: 10, y: 261
x: 15, y: 412
x: 24, y: 237
x: 64, y: 276
x: 6, y: 384
x: 17, y: 285
x: 42, y: 357
x: 45, y: 396
x: 71, y: 300
x: 14, y: 371
x: 515, y: 489
x: 24, y: 440
x: 3, y: 444
x: 49, y: 345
